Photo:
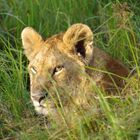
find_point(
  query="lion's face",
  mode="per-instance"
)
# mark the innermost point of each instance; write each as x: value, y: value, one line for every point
x: 57, y: 67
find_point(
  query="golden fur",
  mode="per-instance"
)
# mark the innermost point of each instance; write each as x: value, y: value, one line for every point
x: 64, y: 68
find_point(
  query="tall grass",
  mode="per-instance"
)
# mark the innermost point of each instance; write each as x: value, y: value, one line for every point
x: 116, y: 29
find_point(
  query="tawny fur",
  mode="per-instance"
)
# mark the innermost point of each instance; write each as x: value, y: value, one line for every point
x: 66, y: 66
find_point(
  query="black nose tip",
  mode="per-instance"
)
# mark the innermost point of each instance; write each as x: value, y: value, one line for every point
x: 43, y: 97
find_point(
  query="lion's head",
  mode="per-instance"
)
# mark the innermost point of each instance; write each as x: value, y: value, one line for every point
x: 58, y: 74
x: 57, y: 67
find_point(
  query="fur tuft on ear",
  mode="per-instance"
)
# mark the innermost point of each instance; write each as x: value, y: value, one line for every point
x: 31, y: 41
x: 79, y: 38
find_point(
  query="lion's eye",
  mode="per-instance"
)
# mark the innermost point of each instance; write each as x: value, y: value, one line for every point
x: 33, y: 70
x: 58, y: 70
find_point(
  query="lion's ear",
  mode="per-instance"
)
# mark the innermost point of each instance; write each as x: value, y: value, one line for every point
x: 79, y: 38
x: 31, y: 41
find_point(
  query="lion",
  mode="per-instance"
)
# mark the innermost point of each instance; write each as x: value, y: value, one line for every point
x: 66, y: 69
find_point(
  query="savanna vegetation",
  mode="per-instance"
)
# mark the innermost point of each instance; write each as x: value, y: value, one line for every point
x: 116, y: 28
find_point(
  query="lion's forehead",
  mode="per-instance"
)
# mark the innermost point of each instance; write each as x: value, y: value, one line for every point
x: 46, y: 61
x: 47, y: 58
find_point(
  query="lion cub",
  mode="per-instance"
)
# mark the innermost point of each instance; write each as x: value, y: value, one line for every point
x: 65, y: 68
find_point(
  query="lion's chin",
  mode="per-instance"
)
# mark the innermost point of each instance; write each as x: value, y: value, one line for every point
x: 41, y: 110
x: 45, y: 111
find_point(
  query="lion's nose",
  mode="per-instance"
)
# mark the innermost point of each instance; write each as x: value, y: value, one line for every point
x: 43, y: 97
x: 38, y: 97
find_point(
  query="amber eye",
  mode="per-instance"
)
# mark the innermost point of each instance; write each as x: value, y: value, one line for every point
x: 57, y: 70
